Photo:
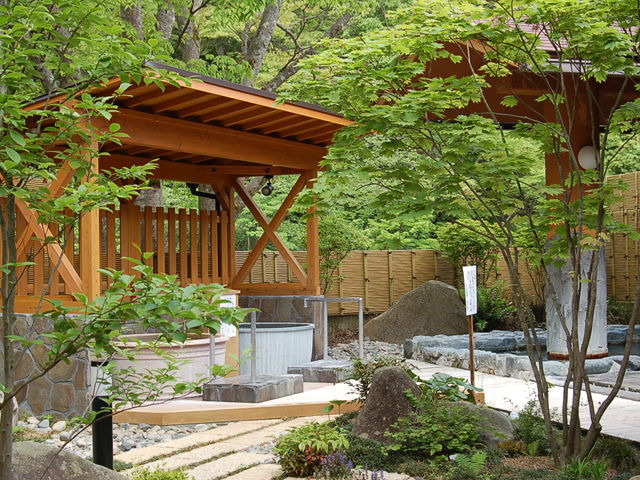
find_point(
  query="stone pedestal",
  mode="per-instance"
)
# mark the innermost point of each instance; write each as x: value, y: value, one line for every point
x: 562, y: 281
x: 241, y: 389
x: 323, y: 371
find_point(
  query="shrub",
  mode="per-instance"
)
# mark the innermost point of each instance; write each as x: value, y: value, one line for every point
x: 370, y: 453
x: 438, y: 428
x: 444, y: 386
x: 585, y: 469
x: 512, y: 448
x: 336, y: 466
x: 618, y: 313
x: 159, y: 474
x: 530, y: 427
x: 362, y: 373
x: 620, y: 453
x: 494, y: 310
x: 302, y: 449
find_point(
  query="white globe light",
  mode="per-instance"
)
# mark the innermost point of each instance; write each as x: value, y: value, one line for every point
x: 587, y: 158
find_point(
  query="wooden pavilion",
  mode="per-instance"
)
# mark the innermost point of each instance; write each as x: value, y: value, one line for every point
x: 210, y: 132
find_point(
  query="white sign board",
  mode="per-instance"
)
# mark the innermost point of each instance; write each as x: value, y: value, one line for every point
x: 225, y: 328
x: 471, y: 288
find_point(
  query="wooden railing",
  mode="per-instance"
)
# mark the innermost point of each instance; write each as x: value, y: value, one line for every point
x: 190, y: 244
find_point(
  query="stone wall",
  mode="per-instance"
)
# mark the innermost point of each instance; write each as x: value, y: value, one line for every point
x: 63, y: 391
x: 490, y: 356
x: 289, y: 309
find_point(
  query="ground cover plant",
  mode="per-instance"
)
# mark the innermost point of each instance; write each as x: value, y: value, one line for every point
x: 463, y: 132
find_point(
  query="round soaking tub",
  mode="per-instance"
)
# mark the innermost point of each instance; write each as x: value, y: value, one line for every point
x: 279, y: 345
x: 195, y: 350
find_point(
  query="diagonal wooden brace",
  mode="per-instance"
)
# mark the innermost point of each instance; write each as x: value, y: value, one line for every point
x: 270, y: 231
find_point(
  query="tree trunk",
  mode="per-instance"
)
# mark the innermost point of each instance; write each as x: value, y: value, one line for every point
x: 133, y: 16
x: 190, y: 36
x: 9, y: 280
x: 206, y: 203
x: 291, y: 68
x: 166, y: 18
x: 260, y: 42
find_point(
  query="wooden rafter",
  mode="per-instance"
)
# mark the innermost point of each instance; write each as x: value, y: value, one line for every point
x: 171, y: 134
x: 270, y: 231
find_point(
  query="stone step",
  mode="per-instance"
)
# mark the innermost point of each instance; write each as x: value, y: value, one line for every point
x: 222, y: 467
x: 228, y: 446
x: 323, y: 371
x: 142, y: 455
x: 259, y: 472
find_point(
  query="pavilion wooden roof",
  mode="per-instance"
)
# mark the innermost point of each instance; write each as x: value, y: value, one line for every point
x: 214, y: 127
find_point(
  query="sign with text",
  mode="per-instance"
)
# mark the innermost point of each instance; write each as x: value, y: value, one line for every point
x: 471, y: 288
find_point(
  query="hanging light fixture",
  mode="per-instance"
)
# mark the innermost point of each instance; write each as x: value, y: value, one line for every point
x: 268, y: 188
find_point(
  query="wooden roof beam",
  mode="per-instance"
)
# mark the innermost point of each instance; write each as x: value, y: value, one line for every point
x: 240, y: 119
x: 228, y: 111
x: 173, y: 135
x: 204, y: 107
x: 294, y: 122
x: 147, y: 97
x: 176, y: 102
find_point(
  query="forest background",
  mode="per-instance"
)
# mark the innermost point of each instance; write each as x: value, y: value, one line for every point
x: 259, y: 43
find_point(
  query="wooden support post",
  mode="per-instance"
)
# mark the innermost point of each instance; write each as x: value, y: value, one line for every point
x: 90, y: 239
x: 231, y: 235
x: 366, y: 281
x: 313, y: 240
x: 413, y: 269
x: 390, y: 278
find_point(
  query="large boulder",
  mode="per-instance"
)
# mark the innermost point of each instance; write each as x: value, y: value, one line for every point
x: 495, y: 426
x: 432, y: 309
x: 33, y: 460
x: 386, y: 402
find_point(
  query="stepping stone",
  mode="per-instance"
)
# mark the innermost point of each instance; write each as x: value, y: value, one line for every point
x: 226, y: 465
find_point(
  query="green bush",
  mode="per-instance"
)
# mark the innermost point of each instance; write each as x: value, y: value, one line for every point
x: 621, y: 454
x: 362, y: 373
x: 618, y: 313
x: 159, y: 474
x: 302, y: 448
x: 370, y: 453
x: 444, y: 386
x: 494, y: 310
x: 438, y: 428
x: 530, y: 427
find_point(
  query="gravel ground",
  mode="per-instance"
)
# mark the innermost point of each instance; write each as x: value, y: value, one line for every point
x: 130, y: 436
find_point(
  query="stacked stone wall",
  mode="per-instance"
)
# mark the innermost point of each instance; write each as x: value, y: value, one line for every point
x: 63, y: 390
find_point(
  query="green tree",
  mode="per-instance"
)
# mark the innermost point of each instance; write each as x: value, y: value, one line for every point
x: 384, y: 83
x: 469, y: 246
x: 64, y: 52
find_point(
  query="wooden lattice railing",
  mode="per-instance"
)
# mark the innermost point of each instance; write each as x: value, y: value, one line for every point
x: 190, y: 244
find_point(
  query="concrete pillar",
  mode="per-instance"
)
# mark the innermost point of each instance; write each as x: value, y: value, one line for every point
x: 562, y: 282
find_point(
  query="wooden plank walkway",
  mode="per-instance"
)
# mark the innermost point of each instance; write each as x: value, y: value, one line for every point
x: 621, y: 420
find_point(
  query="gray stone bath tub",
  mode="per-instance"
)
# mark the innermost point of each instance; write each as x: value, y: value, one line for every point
x: 279, y: 345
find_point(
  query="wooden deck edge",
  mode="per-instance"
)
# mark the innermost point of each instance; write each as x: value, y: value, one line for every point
x: 226, y: 414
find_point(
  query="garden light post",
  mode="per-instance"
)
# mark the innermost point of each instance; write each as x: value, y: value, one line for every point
x: 102, y: 428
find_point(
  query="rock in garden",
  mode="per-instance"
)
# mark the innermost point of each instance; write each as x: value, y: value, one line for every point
x: 495, y: 426
x: 385, y: 404
x: 44, y: 462
x: 431, y: 309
